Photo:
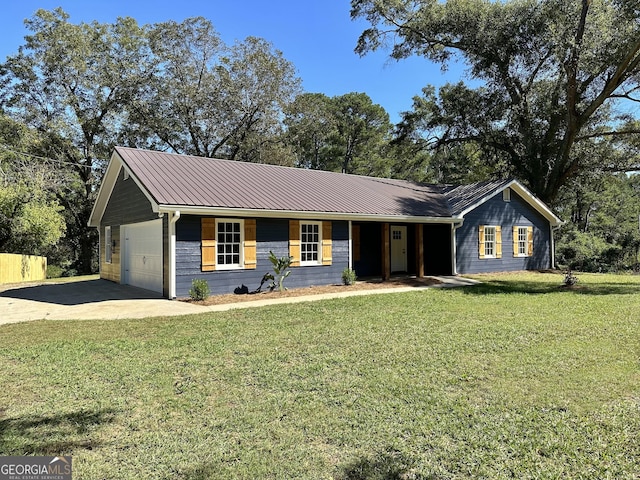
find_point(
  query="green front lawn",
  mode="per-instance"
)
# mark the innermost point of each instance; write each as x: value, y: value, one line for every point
x: 514, y: 378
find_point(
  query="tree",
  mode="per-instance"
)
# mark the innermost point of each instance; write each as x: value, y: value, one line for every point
x: 347, y: 133
x: 70, y: 84
x: 310, y: 124
x: 603, y: 231
x: 363, y: 130
x: 549, y: 76
x: 31, y: 221
x: 212, y: 100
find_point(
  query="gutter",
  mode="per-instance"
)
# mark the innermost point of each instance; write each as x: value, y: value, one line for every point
x: 302, y: 215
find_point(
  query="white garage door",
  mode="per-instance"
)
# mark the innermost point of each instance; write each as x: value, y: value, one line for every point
x: 143, y: 255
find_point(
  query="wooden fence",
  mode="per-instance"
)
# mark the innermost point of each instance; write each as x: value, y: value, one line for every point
x: 16, y: 268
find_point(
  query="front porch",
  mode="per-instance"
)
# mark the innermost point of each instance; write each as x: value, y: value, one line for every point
x: 386, y: 249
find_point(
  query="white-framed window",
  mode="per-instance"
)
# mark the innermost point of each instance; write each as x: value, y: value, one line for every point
x: 108, y: 245
x: 506, y: 195
x: 229, y: 251
x: 523, y: 241
x: 310, y: 243
x: 489, y: 241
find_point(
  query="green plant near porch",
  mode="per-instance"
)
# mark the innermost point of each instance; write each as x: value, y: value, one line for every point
x: 281, y: 266
x: 349, y: 276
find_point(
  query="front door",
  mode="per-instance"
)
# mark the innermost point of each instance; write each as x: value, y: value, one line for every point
x: 398, y: 248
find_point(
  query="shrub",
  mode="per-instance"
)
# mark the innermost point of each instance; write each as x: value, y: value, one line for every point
x: 54, y: 271
x: 349, y: 276
x: 281, y: 269
x: 199, y: 290
x: 570, y: 279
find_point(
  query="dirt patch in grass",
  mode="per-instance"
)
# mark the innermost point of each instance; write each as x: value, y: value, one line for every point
x: 318, y: 290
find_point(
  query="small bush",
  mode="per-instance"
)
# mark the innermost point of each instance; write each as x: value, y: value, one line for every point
x: 570, y: 279
x: 54, y: 271
x: 71, y: 272
x: 199, y: 290
x: 349, y: 276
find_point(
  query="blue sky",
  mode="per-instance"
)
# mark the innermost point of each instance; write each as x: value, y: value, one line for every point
x: 317, y: 36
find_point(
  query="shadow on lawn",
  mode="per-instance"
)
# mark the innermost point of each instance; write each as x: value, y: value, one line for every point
x: 50, y: 434
x: 387, y: 465
x: 514, y: 286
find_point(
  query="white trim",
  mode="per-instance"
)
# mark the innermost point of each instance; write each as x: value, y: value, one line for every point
x: 494, y: 243
x: 104, y: 192
x: 231, y: 266
x: 172, y: 253
x: 454, y: 250
x: 350, y: 245
x: 553, y: 246
x: 108, y: 245
x: 294, y: 214
x: 106, y: 189
x: 525, y: 242
x: 318, y: 261
x: 526, y: 195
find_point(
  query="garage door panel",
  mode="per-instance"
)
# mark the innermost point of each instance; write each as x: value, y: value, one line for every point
x: 143, y: 255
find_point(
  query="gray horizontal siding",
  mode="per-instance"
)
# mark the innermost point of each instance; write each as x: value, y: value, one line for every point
x: 271, y: 235
x: 127, y: 204
x: 505, y: 214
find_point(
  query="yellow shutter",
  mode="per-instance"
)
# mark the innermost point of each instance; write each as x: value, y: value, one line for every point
x: 516, y: 250
x: 250, y: 258
x: 355, y: 238
x: 326, y: 243
x: 529, y: 241
x: 498, y: 242
x: 481, y: 241
x: 294, y: 242
x: 208, y: 228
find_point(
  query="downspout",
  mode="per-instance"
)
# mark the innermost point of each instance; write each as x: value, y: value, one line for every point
x: 454, y: 253
x: 553, y: 245
x: 173, y: 218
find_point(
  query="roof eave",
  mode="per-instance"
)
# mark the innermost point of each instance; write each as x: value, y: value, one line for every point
x: 539, y: 206
x: 303, y: 215
x: 106, y: 189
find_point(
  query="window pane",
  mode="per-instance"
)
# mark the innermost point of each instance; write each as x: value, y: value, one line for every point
x: 489, y: 240
x: 229, y: 242
x: 309, y: 242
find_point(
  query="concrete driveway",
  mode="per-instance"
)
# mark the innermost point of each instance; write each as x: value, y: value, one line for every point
x: 86, y: 299
x: 95, y: 299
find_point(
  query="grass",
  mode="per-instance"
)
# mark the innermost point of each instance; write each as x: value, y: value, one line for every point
x: 514, y: 378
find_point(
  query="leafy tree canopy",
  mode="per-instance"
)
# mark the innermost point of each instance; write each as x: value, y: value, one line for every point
x: 347, y: 133
x: 552, y: 80
x: 31, y: 220
x: 209, y: 99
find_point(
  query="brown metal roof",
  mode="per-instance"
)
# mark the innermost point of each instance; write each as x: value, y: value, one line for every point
x: 462, y: 197
x: 190, y: 181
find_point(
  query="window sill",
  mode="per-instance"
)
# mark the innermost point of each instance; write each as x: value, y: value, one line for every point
x: 230, y: 267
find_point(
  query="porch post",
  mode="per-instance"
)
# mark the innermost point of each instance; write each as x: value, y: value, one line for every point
x: 386, y: 253
x: 420, y: 250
